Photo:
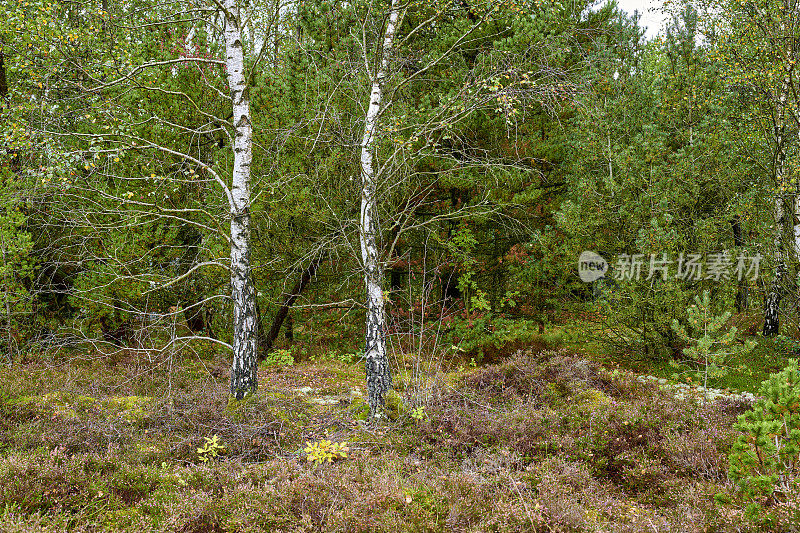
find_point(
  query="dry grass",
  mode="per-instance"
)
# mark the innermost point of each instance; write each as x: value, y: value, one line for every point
x: 542, y: 441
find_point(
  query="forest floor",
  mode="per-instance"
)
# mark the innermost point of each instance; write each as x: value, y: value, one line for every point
x: 546, y: 440
x: 743, y: 372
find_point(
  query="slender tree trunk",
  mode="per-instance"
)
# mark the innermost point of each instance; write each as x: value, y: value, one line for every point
x: 793, y: 269
x: 774, y: 295
x: 379, y: 377
x: 288, y: 330
x: 288, y: 300
x: 244, y: 378
x: 6, y: 291
x: 741, y: 289
x: 3, y: 83
x: 610, y: 159
x: 773, y: 299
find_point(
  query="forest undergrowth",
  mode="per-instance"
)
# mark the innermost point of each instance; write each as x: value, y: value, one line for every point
x: 545, y: 440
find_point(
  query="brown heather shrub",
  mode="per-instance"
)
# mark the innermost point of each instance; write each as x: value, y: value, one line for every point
x: 169, y: 428
x: 558, y: 483
x: 786, y: 511
x: 543, y: 441
x: 250, y: 430
x: 527, y: 373
x: 555, y: 405
x: 204, y: 523
x: 12, y: 522
x: 48, y: 481
x: 73, y: 435
x: 701, y: 450
x: 519, y: 376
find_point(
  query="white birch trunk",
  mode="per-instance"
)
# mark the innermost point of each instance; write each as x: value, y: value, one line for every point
x: 379, y: 377
x: 773, y: 299
x: 610, y: 162
x: 244, y: 369
x: 797, y: 225
x: 775, y: 293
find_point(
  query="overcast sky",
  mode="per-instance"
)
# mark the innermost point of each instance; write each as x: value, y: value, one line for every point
x: 652, y: 17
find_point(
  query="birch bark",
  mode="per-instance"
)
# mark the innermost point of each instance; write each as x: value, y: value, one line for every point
x: 244, y: 368
x: 775, y: 293
x: 379, y: 377
x: 773, y: 299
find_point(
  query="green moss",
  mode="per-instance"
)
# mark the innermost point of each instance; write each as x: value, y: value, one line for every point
x: 276, y: 396
x: 395, y: 408
x: 359, y: 408
x: 54, y: 399
x: 134, y: 409
x: 238, y: 409
x: 559, y: 390
x: 592, y: 399
x: 123, y: 519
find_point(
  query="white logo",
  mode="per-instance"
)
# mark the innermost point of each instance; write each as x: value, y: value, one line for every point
x: 591, y: 266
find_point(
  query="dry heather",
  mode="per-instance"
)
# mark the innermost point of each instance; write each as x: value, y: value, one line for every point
x: 543, y: 441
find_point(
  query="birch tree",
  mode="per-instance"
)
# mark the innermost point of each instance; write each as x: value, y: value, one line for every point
x: 482, y: 67
x: 245, y: 367
x: 758, y: 44
x: 379, y: 377
x: 151, y: 107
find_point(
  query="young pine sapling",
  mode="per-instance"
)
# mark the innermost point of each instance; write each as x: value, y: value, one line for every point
x: 709, y: 346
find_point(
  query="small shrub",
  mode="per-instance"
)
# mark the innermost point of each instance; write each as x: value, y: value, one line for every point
x: 489, y: 338
x: 325, y: 450
x: 708, y: 348
x: 349, y: 358
x: 697, y: 452
x: 279, y: 358
x: 765, y: 460
x: 211, y: 448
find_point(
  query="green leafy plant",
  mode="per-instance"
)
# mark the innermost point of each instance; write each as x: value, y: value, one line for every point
x: 350, y: 358
x: 347, y: 358
x: 325, y: 450
x: 211, y: 448
x: 709, y: 347
x: 510, y: 299
x: 765, y: 460
x: 418, y: 413
x: 343, y: 357
x: 462, y: 246
x: 279, y: 358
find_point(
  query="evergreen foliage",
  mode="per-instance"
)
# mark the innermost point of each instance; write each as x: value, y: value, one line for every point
x: 765, y: 460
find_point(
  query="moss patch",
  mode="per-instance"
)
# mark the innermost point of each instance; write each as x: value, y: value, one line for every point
x: 359, y: 408
x: 132, y: 409
x: 395, y: 407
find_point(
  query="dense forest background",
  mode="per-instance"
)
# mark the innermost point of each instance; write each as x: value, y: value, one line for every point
x: 511, y: 138
x: 404, y: 186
